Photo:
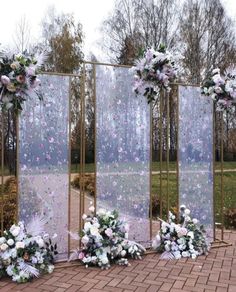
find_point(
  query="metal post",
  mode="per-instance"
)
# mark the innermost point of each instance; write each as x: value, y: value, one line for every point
x: 222, y: 174
x: 161, y: 134
x: 150, y: 167
x: 69, y: 176
x: 214, y: 178
x: 17, y: 166
x: 177, y: 154
x: 2, y: 174
x: 95, y: 136
x: 167, y: 151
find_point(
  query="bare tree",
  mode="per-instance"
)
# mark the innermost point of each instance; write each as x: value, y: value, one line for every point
x: 21, y: 36
x: 138, y: 24
x: 207, y: 36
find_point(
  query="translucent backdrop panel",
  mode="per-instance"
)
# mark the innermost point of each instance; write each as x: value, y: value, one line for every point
x: 123, y: 149
x: 196, y: 154
x: 43, y: 158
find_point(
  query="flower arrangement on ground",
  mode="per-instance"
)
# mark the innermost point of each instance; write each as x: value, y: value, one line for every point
x: 25, y: 254
x: 153, y: 72
x: 105, y: 241
x: 221, y: 90
x: 18, y: 77
x: 186, y: 239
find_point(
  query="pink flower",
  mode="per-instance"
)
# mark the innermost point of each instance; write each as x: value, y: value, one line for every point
x: 20, y: 78
x: 81, y: 255
x: 5, y: 80
x: 30, y: 71
x: 109, y: 232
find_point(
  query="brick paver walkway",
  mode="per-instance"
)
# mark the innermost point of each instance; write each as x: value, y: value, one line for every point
x: 216, y: 272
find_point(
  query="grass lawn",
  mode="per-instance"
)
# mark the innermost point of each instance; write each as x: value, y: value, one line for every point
x: 89, y: 167
x: 229, y: 186
x: 229, y: 191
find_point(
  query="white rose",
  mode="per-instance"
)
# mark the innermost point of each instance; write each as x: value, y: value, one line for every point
x: 10, y: 242
x: 216, y: 71
x: 218, y: 90
x: 50, y: 269
x: 187, y: 218
x: 193, y: 256
x: 91, y: 209
x: 190, y: 234
x: 177, y: 254
x: 186, y: 211
x: 182, y: 207
x: 2, y: 240
x: 94, y: 230
x: 195, y: 221
x: 15, y: 230
x: 185, y: 254
x: 101, y: 212
x: 87, y: 226
x: 123, y: 253
x: 85, y: 239
x: 84, y: 216
x: 40, y: 242
x: 9, y: 270
x: 3, y: 247
x: 13, y: 253
x: 104, y: 260
x: 20, y: 244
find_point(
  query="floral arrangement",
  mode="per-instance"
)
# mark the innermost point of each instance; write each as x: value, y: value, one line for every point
x: 153, y: 72
x: 105, y: 240
x: 18, y: 77
x: 25, y: 255
x: 186, y: 239
x: 221, y: 90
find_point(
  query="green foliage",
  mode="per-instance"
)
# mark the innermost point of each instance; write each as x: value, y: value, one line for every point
x: 63, y: 38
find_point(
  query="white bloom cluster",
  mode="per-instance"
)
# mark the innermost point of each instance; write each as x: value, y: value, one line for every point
x: 154, y: 71
x: 105, y: 240
x: 221, y: 90
x: 18, y: 77
x: 186, y: 239
x: 23, y: 256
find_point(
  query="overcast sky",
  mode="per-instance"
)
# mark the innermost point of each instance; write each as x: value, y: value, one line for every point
x: 89, y: 12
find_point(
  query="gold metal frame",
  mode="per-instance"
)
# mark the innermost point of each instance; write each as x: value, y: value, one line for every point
x: 82, y: 148
x: 150, y: 168
x: 160, y: 149
x: 69, y: 177
x: 2, y: 170
x: 95, y: 135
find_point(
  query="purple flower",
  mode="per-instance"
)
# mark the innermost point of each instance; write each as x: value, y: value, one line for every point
x: 149, y: 55
x: 5, y: 80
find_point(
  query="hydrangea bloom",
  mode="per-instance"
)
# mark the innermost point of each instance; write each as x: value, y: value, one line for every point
x: 186, y: 239
x: 154, y: 71
x: 104, y: 240
x: 221, y: 90
x: 24, y: 256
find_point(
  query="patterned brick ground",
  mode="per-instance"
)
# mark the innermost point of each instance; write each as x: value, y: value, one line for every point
x: 216, y: 272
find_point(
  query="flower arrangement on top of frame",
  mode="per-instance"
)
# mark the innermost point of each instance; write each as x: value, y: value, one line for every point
x: 105, y: 241
x: 153, y: 72
x: 221, y: 90
x: 186, y: 239
x: 18, y: 78
x: 26, y: 253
